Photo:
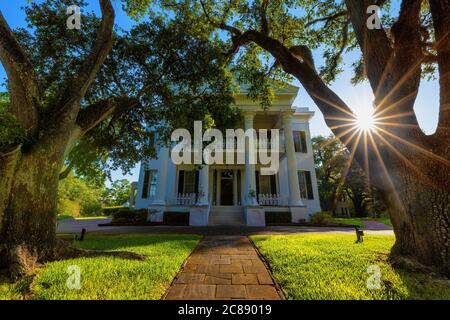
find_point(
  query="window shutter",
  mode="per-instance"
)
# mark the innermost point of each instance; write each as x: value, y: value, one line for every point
x: 309, y: 185
x: 304, y: 148
x: 196, y: 184
x: 257, y: 185
x: 297, y: 146
x: 145, y: 185
x: 180, y: 181
x: 273, y: 184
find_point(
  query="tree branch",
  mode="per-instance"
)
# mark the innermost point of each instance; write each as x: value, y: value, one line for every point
x: 334, y: 109
x: 92, y: 115
x: 407, y: 60
x: 79, y: 84
x: 375, y: 44
x: 22, y: 80
x: 440, y: 11
x: 327, y: 19
x: 221, y: 25
x: 63, y: 174
x: 263, y: 15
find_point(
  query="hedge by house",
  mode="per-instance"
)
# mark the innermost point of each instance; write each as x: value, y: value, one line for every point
x: 130, y: 216
x: 278, y: 217
x: 176, y: 218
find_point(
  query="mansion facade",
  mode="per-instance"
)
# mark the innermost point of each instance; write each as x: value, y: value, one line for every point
x: 239, y: 194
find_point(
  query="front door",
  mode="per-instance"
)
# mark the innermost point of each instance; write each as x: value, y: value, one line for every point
x: 226, y: 188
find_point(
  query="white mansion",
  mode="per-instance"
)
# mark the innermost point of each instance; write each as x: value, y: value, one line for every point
x: 239, y: 194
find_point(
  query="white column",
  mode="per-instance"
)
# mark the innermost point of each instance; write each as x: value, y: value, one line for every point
x: 133, y: 188
x: 250, y: 177
x: 242, y: 188
x: 294, y: 188
x: 160, y: 196
x: 219, y: 179
x: 203, y: 186
x: 235, y: 188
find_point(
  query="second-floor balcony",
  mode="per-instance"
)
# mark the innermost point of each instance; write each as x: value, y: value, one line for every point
x: 233, y: 145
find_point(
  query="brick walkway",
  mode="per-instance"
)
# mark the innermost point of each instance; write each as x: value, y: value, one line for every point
x: 223, y: 267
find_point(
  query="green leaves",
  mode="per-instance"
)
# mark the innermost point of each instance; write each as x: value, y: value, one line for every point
x: 174, y: 70
x: 11, y: 130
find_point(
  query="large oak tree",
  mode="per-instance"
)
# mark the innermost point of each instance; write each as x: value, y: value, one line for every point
x: 90, y: 99
x: 275, y: 38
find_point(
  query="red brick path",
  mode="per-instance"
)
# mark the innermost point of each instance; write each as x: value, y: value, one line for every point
x: 223, y: 267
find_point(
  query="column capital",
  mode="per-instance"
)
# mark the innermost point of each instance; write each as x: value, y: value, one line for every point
x: 285, y: 115
x: 249, y: 115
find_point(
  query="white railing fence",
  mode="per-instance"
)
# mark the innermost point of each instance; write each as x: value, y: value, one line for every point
x: 271, y: 199
x: 185, y: 199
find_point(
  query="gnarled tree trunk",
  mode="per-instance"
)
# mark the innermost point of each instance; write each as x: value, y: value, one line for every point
x: 29, y: 173
x: 27, y: 233
x: 419, y: 207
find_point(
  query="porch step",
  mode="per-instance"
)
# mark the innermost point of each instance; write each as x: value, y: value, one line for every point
x: 226, y: 216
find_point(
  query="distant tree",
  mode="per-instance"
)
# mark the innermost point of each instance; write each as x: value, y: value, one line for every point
x: 338, y: 173
x: 330, y: 161
x: 119, y: 192
x: 76, y: 196
x: 358, y: 191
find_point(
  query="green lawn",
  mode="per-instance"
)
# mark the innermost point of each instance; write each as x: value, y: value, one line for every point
x: 354, y: 221
x: 332, y: 266
x: 360, y: 221
x: 109, y: 277
x: 67, y: 217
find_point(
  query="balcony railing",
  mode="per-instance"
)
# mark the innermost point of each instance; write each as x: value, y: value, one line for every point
x: 259, y: 144
x: 184, y: 199
x: 273, y: 200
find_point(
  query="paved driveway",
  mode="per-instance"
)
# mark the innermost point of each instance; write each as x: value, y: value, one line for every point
x: 70, y: 226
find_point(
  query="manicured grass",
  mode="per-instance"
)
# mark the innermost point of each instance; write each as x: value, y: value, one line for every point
x: 91, y: 218
x: 360, y: 221
x: 110, y: 277
x: 332, y: 266
x: 354, y: 221
x: 64, y: 217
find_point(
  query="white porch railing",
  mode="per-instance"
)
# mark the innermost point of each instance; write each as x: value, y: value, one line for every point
x: 271, y: 199
x: 259, y: 143
x: 185, y: 199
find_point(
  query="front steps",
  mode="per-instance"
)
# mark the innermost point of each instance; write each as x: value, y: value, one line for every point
x: 226, y: 216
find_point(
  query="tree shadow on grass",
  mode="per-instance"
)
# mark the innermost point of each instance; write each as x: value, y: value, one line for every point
x: 130, y: 241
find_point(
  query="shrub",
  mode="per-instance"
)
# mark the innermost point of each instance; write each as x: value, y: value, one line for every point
x: 176, y: 218
x: 321, y: 218
x: 109, y: 211
x: 140, y: 215
x: 130, y: 216
x: 91, y: 207
x: 123, y: 215
x: 67, y: 207
x: 278, y: 217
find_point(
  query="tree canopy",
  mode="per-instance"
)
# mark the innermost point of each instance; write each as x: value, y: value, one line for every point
x: 159, y: 76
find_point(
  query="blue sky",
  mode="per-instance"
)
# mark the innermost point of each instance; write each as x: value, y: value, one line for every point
x: 357, y: 97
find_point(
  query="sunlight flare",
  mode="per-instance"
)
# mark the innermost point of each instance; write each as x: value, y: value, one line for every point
x: 365, y: 119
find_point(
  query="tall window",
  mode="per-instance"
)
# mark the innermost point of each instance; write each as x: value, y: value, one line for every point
x: 266, y: 184
x: 187, y: 181
x: 149, y: 187
x: 304, y: 181
x: 300, y: 141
